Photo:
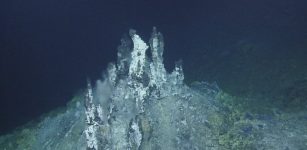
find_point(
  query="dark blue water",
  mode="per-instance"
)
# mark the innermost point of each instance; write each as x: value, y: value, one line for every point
x: 49, y: 48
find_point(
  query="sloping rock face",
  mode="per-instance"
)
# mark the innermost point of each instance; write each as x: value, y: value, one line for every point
x: 138, y: 105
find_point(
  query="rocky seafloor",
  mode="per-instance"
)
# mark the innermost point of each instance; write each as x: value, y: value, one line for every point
x: 139, y: 105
